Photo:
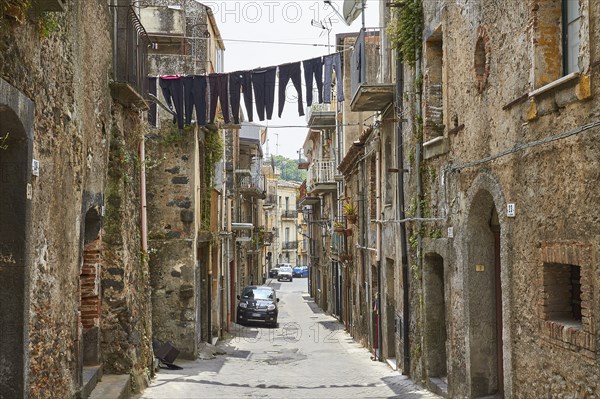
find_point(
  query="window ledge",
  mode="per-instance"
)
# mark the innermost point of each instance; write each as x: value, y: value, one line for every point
x: 555, y: 84
x: 435, y: 147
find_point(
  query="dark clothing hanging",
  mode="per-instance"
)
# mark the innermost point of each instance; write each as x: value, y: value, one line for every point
x: 152, y: 112
x: 172, y: 88
x: 218, y: 90
x: 194, y: 95
x: 287, y: 72
x: 333, y: 61
x: 313, y: 67
x: 263, y: 82
x: 243, y: 80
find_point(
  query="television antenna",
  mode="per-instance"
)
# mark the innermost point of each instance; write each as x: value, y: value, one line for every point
x: 324, y: 25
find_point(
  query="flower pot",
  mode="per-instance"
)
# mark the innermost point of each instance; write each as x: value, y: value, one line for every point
x: 351, y: 219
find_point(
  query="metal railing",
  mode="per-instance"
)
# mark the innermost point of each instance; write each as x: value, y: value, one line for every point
x: 320, y: 172
x: 130, y: 49
x: 252, y: 182
x: 271, y: 199
x: 289, y: 214
x: 290, y: 245
x: 314, y: 108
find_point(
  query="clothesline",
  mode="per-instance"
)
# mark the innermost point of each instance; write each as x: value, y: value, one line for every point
x: 344, y: 47
x: 203, y: 92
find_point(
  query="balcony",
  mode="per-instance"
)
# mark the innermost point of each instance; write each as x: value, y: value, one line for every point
x: 252, y: 186
x: 270, y: 201
x: 289, y: 246
x: 321, y: 116
x: 370, y: 92
x: 130, y: 84
x: 289, y: 214
x: 321, y: 177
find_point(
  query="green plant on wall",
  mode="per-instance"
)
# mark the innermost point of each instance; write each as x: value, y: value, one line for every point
x: 15, y: 8
x: 212, y: 153
x: 406, y: 27
x: 48, y: 24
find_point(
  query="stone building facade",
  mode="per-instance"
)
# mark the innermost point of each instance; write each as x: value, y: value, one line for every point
x: 471, y: 267
x: 184, y: 198
x: 74, y: 273
x: 509, y: 116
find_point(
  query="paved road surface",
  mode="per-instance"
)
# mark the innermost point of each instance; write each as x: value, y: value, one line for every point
x: 308, y: 356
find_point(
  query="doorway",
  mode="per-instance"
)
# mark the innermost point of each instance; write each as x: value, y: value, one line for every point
x: 390, y: 310
x: 435, y: 317
x: 485, y: 298
x: 15, y: 167
x: 89, y: 290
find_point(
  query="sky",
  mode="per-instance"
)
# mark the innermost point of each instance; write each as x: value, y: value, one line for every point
x: 250, y: 28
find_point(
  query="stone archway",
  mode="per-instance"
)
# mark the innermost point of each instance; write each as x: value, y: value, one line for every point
x: 484, y: 292
x: 16, y: 136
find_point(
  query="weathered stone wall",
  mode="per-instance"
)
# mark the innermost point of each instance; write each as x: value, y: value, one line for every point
x: 172, y: 226
x: 551, y: 184
x: 61, y: 65
x: 126, y: 313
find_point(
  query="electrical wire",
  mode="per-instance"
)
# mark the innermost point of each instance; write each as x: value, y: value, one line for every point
x: 521, y: 147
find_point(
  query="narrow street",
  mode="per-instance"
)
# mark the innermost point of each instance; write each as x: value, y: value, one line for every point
x: 308, y: 356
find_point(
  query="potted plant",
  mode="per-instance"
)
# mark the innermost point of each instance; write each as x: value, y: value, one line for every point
x: 338, y: 227
x: 350, y: 212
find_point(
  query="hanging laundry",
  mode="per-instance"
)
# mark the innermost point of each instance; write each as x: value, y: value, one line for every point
x: 263, y: 82
x: 287, y: 72
x: 333, y: 61
x: 313, y: 67
x: 217, y: 83
x: 194, y: 95
x: 152, y: 112
x: 243, y: 80
x: 172, y: 88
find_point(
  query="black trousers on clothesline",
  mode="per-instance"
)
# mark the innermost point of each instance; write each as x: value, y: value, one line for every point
x: 313, y: 67
x: 218, y: 91
x: 263, y: 82
x: 287, y: 72
x: 243, y: 80
x: 194, y: 95
x: 173, y: 92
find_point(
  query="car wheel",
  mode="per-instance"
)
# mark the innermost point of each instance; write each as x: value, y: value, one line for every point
x: 291, y: 280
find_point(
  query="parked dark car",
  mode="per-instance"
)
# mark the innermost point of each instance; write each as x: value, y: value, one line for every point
x: 257, y: 304
x: 273, y: 272
x: 300, y: 271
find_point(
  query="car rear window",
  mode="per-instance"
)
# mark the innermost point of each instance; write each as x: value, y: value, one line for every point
x: 285, y: 269
x: 257, y: 293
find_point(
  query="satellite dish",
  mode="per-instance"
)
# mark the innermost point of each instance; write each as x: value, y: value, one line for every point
x: 352, y: 9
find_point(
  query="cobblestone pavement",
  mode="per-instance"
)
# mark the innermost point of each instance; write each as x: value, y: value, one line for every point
x: 308, y: 356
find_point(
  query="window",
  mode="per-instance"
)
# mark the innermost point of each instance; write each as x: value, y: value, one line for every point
x: 433, y: 89
x: 287, y: 203
x: 556, y: 40
x: 566, y: 305
x: 562, y: 299
x: 570, y: 31
x: 287, y: 234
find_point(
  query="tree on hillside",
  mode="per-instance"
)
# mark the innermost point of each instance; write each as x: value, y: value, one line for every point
x: 289, y: 168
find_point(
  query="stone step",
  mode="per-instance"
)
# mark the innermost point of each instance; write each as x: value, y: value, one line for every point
x: 91, y: 376
x: 112, y: 387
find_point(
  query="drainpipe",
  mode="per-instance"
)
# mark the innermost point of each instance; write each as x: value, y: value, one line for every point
x: 143, y: 215
x: 418, y: 159
x: 378, y: 237
x: 401, y: 215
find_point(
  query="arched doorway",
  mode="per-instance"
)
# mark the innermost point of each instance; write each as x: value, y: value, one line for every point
x: 485, y: 297
x: 435, y: 318
x: 15, y: 193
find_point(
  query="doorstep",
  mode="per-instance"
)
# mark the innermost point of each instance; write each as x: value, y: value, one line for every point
x: 112, y: 387
x: 392, y: 363
x: 91, y: 375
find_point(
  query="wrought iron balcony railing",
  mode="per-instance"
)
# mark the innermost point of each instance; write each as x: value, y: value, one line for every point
x: 289, y: 245
x: 320, y: 173
x: 289, y: 214
x: 130, y: 50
